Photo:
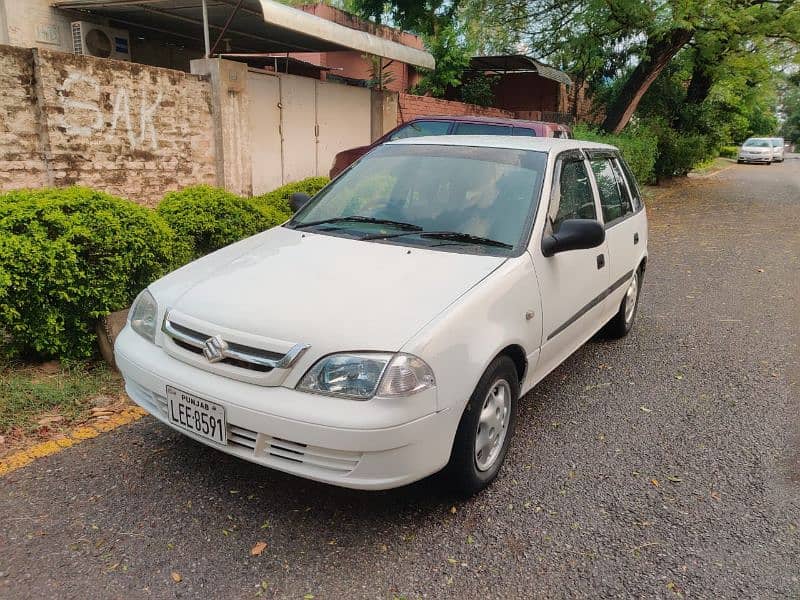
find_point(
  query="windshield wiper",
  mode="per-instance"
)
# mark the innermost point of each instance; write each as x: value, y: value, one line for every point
x: 359, y: 219
x: 455, y: 236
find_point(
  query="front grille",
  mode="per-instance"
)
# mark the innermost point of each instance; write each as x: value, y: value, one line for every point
x: 228, y: 352
x: 242, y: 364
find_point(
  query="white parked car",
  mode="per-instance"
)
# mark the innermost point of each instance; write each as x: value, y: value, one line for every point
x: 389, y: 329
x: 756, y: 150
x: 778, y: 150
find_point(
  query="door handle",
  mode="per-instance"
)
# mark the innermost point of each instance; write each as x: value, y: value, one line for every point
x: 635, y: 238
x: 601, y: 261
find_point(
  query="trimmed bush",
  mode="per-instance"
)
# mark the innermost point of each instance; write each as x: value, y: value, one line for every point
x: 638, y: 145
x: 679, y: 153
x: 69, y: 256
x: 207, y: 218
x: 729, y: 151
x: 276, y: 202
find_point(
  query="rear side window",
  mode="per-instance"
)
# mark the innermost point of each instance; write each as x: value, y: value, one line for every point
x: 421, y: 129
x: 481, y: 129
x: 614, y: 197
x: 523, y: 131
x: 633, y: 186
x: 573, y: 198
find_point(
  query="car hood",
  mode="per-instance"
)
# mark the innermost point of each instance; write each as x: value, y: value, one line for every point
x: 756, y: 149
x: 331, y: 292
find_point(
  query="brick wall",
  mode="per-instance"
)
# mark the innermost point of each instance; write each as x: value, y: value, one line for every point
x: 124, y: 128
x: 410, y: 107
x: 21, y: 161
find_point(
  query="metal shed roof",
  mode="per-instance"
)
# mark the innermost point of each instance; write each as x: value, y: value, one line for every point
x: 519, y: 63
x: 249, y: 25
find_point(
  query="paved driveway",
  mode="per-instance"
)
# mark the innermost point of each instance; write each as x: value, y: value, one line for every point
x: 663, y: 465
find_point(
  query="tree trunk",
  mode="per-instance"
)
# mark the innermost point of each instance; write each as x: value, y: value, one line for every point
x: 656, y: 57
x: 696, y: 93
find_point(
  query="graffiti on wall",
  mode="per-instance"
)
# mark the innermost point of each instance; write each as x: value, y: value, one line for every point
x: 84, y: 116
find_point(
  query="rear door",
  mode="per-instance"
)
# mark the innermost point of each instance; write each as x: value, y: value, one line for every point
x: 624, y: 222
x: 573, y: 283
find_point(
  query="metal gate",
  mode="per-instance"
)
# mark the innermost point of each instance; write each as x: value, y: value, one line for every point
x: 298, y: 124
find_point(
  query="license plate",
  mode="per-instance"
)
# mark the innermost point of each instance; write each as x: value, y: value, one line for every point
x: 197, y: 416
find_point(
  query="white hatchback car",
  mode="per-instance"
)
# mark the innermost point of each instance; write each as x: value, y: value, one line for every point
x: 389, y: 329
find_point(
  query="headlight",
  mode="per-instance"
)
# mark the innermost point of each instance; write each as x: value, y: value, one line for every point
x: 144, y: 313
x: 362, y: 376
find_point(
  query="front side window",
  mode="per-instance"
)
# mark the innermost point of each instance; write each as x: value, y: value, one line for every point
x: 573, y: 197
x: 421, y: 129
x: 457, y: 198
x: 481, y: 129
x: 614, y: 198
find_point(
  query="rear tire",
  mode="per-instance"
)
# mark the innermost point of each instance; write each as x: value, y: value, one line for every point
x: 486, y: 428
x: 622, y: 323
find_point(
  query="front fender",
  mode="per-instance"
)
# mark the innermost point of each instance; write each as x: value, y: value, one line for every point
x: 459, y: 344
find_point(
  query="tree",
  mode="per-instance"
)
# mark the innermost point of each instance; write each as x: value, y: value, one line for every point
x: 625, y: 45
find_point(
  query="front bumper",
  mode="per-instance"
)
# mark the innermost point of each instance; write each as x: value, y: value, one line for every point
x: 755, y: 158
x: 384, y: 449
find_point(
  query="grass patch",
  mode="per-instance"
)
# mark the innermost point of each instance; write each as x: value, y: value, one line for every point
x: 711, y: 165
x: 29, y: 391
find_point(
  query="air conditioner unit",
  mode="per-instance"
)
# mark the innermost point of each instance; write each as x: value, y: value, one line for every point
x: 100, y: 41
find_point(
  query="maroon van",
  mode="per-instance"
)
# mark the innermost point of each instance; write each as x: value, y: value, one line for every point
x: 447, y: 125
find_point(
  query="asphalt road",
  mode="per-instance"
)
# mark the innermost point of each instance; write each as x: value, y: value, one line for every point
x: 663, y: 465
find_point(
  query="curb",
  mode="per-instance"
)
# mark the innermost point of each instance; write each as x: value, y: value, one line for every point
x: 713, y: 173
x: 23, y: 458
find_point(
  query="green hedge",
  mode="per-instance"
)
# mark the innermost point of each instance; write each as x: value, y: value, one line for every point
x: 278, y: 200
x: 69, y: 256
x: 207, y: 218
x: 729, y: 151
x: 679, y: 153
x: 639, y: 147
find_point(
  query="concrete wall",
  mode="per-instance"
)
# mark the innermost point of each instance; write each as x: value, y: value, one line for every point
x: 124, y: 128
x: 410, y: 107
x: 30, y: 23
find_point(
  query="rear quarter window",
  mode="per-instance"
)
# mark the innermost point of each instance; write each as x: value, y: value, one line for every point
x: 481, y: 129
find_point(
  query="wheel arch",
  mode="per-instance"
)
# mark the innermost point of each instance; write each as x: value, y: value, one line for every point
x: 517, y: 355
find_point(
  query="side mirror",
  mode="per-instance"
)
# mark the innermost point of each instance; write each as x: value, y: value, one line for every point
x: 574, y: 234
x: 298, y: 200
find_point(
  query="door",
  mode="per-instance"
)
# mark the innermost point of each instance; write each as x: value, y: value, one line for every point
x: 343, y: 119
x: 299, y: 127
x: 572, y: 284
x: 625, y: 234
x: 265, y: 131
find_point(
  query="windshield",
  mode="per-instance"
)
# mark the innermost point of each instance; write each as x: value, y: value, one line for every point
x: 758, y: 143
x: 467, y: 199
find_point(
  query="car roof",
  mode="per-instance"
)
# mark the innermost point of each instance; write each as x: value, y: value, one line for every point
x: 512, y: 142
x: 492, y: 120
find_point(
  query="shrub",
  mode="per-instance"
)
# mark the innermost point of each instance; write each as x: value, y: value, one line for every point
x: 638, y: 145
x: 208, y: 218
x: 69, y: 256
x: 679, y: 153
x: 275, y: 204
x: 729, y: 151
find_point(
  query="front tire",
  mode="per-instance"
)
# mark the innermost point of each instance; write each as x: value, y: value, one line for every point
x: 622, y: 323
x: 486, y: 428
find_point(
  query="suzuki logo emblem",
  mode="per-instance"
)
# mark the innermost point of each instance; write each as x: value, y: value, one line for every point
x: 214, y: 349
